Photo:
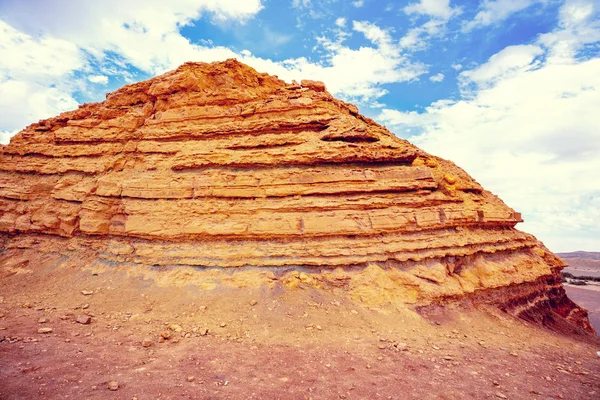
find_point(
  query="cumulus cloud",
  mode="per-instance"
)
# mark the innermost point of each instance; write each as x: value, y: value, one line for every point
x: 145, y: 32
x: 526, y: 128
x: 32, y: 72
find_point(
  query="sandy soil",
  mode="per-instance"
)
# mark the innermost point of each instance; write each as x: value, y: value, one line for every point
x: 265, y: 343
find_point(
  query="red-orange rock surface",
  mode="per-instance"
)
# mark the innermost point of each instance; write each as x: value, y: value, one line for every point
x: 216, y: 165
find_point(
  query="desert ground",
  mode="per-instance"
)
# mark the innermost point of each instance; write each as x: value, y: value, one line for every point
x: 151, y: 334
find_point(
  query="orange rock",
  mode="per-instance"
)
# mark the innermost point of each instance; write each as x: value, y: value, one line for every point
x: 217, y: 165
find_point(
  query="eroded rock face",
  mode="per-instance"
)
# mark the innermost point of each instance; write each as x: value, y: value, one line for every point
x: 216, y: 165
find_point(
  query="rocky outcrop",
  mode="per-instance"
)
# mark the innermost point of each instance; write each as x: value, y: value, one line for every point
x: 216, y: 165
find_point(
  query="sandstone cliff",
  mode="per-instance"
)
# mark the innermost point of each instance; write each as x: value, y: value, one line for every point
x: 216, y: 165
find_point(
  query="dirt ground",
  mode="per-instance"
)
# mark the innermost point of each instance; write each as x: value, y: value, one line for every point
x: 264, y: 343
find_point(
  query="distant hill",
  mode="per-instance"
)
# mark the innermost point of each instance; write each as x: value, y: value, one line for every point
x: 582, y: 263
x: 587, y: 255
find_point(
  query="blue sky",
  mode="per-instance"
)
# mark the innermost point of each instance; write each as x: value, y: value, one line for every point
x: 507, y: 89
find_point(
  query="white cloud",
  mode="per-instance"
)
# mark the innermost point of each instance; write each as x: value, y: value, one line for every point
x: 341, y: 22
x: 358, y: 3
x: 101, y: 79
x: 145, y: 32
x: 437, y: 77
x: 510, y: 61
x: 456, y: 67
x: 493, y: 11
x: 434, y: 8
x: 527, y: 129
x: 32, y: 77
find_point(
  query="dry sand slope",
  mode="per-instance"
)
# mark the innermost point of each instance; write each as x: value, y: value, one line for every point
x: 265, y: 342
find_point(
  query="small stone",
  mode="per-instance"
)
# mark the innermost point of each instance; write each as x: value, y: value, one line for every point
x: 85, y: 306
x: 202, y: 308
x: 43, y: 320
x: 501, y: 396
x: 190, y: 379
x: 354, y: 311
x: 113, y: 385
x: 401, y: 346
x: 514, y: 354
x: 147, y: 342
x: 166, y: 335
x: 45, y: 330
x: 87, y: 293
x: 435, y: 347
x: 83, y: 319
x: 67, y: 340
x: 448, y: 358
x: 175, y: 327
x: 319, y: 327
x: 253, y: 303
x: 496, y: 383
x: 222, y: 324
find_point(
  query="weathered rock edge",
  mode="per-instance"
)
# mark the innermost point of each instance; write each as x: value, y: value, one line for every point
x: 216, y: 165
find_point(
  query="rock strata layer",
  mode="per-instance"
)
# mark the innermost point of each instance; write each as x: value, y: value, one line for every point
x: 216, y: 165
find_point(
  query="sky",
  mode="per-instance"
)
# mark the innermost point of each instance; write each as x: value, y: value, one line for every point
x: 509, y: 90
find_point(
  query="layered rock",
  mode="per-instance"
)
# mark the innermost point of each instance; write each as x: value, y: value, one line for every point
x: 216, y: 165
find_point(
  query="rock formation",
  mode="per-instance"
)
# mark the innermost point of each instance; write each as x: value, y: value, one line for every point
x: 216, y: 165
